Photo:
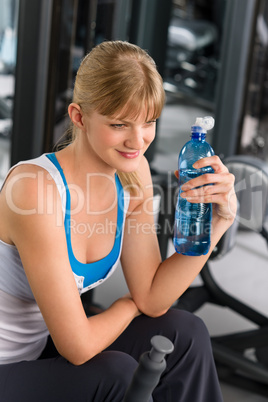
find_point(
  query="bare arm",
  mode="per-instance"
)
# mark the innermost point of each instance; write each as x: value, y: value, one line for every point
x: 40, y: 240
x: 156, y: 285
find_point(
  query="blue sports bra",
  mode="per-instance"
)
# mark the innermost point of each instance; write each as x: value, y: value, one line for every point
x: 94, y: 272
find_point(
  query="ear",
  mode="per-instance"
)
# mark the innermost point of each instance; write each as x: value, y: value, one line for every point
x: 75, y: 113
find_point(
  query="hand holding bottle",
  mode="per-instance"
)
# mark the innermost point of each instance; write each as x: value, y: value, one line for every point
x: 203, y: 180
x: 221, y: 194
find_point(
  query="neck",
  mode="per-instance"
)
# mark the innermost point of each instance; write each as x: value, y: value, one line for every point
x: 84, y: 159
x: 80, y: 169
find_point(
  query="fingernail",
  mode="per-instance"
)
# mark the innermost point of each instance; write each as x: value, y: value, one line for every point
x: 185, y: 187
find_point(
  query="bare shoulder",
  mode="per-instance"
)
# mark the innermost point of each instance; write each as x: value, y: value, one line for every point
x: 25, y: 186
x: 28, y: 192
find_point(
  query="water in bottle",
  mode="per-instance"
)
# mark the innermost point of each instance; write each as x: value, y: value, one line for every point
x: 192, y: 226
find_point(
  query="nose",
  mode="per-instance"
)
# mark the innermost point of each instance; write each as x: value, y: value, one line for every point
x: 135, y: 139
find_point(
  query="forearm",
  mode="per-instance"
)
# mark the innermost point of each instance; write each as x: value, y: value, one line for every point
x: 157, y: 285
x: 104, y: 329
x: 175, y: 274
x: 107, y: 326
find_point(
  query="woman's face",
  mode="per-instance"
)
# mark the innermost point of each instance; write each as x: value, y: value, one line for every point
x: 118, y: 144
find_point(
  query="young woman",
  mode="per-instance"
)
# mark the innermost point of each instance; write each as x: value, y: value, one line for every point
x: 66, y: 220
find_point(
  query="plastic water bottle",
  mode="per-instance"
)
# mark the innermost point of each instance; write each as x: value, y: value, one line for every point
x: 192, y: 226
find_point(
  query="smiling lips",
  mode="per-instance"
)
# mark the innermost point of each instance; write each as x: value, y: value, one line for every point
x: 129, y: 155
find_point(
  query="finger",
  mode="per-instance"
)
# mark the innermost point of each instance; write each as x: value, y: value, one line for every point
x: 219, y: 198
x: 203, y: 191
x: 208, y: 178
x: 213, y: 161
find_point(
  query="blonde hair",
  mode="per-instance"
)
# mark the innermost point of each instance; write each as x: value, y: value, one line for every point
x: 119, y: 79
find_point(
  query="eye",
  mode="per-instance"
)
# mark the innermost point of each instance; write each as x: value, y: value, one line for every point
x: 118, y: 126
x: 150, y: 122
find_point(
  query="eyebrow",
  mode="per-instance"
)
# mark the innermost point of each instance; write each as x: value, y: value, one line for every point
x: 130, y: 121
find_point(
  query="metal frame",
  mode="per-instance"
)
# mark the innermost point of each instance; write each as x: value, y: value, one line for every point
x: 55, y: 69
x: 149, y: 29
x: 233, y: 367
x: 240, y: 16
x: 31, y: 79
x: 122, y: 19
